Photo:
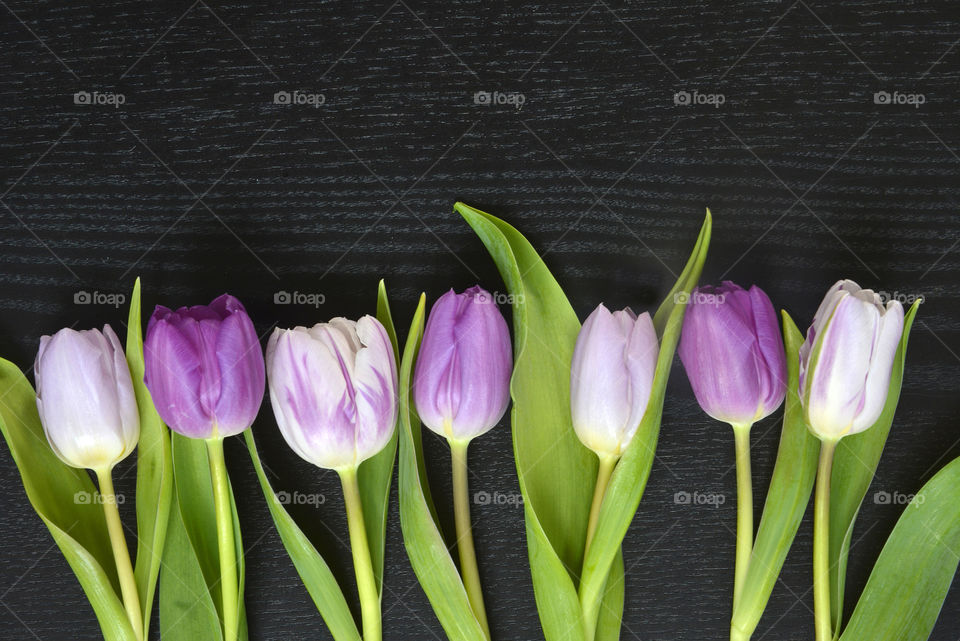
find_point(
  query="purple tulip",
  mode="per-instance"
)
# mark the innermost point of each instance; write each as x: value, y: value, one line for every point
x: 204, y: 368
x: 733, y: 352
x: 846, y: 360
x: 85, y: 398
x: 462, y: 379
x: 611, y: 377
x: 333, y: 388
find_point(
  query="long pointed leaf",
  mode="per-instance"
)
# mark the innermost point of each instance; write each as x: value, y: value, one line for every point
x: 854, y: 465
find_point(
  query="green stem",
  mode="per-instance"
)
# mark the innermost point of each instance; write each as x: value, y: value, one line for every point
x: 741, y: 434
x: 590, y: 599
x: 121, y: 555
x: 821, y: 544
x: 225, y: 542
x: 461, y: 510
x: 362, y: 565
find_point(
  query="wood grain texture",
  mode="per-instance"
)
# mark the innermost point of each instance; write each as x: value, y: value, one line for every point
x: 199, y: 183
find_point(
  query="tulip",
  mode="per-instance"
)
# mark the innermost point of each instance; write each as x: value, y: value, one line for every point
x: 733, y: 353
x: 333, y: 388
x: 85, y: 398
x: 205, y: 373
x: 89, y: 413
x: 611, y: 377
x: 204, y: 368
x: 462, y: 379
x: 845, y: 366
x: 846, y: 360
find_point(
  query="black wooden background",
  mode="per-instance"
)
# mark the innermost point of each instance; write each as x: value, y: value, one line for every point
x: 200, y: 183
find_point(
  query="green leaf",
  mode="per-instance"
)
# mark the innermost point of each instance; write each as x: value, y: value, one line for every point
x: 611, y: 608
x: 192, y: 556
x: 854, y: 465
x: 63, y: 498
x: 910, y: 580
x: 154, y: 471
x: 787, y: 498
x: 425, y: 545
x: 376, y: 472
x: 630, y: 475
x: 313, y: 570
x: 556, y: 472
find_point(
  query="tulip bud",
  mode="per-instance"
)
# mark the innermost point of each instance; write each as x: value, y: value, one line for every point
x: 611, y: 378
x: 204, y: 368
x: 333, y: 388
x: 846, y: 360
x: 462, y: 379
x: 85, y: 398
x: 733, y: 353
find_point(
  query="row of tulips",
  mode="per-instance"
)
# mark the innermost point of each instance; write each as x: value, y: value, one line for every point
x: 338, y: 394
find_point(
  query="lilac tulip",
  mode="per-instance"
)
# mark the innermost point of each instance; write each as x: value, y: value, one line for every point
x: 846, y: 360
x: 204, y: 368
x: 611, y: 377
x: 333, y: 388
x: 462, y: 379
x: 733, y: 353
x: 85, y: 398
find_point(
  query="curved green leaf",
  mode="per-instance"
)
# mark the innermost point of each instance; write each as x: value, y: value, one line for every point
x: 910, y: 580
x: 154, y: 471
x: 64, y: 497
x: 426, y: 549
x: 630, y: 475
x: 787, y: 497
x: 854, y: 465
x: 556, y: 472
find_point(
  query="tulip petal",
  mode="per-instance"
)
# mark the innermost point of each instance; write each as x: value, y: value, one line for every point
x: 376, y: 387
x: 241, y: 367
x: 878, y: 377
x: 173, y: 376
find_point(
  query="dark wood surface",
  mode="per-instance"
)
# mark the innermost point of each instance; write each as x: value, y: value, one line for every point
x: 200, y: 184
